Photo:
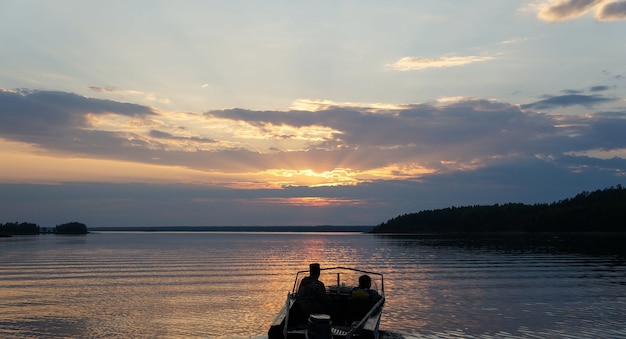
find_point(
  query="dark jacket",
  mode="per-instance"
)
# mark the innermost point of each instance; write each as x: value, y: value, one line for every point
x: 312, y: 296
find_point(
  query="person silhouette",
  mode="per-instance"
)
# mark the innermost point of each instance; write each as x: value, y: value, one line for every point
x: 312, y: 292
x: 364, y: 290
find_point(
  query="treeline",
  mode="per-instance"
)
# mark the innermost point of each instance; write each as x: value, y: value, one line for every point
x: 598, y: 211
x: 14, y: 228
x: 321, y: 228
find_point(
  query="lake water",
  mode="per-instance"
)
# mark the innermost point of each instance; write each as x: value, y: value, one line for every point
x: 231, y: 285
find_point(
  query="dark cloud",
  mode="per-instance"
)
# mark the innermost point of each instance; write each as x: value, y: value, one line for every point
x: 611, y: 76
x: 567, y: 9
x: 599, y: 88
x: 102, y: 89
x: 612, y: 11
x: 568, y: 100
x: 571, y: 91
x: 416, y: 127
x: 164, y: 135
x: 608, y: 133
x: 429, y: 135
x: 59, y: 122
x: 45, y: 112
x: 260, y: 118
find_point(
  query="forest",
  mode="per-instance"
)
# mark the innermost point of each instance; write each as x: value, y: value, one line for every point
x: 598, y: 211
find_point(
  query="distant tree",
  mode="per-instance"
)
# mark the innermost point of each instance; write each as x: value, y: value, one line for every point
x: 15, y: 228
x: 71, y: 228
x: 598, y: 211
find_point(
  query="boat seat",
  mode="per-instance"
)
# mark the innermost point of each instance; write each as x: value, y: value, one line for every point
x: 302, y: 309
x: 338, y: 331
x: 357, y: 308
x: 333, y: 331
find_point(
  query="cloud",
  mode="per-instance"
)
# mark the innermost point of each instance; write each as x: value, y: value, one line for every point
x: 62, y: 123
x: 102, y: 89
x: 331, y: 145
x: 568, y: 100
x: 418, y: 63
x: 612, y: 11
x: 165, y: 135
x: 599, y: 88
x: 320, y: 105
x: 45, y: 112
x: 563, y: 10
x: 514, y: 41
x: 123, y: 94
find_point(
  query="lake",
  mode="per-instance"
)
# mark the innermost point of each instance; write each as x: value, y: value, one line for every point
x: 231, y: 285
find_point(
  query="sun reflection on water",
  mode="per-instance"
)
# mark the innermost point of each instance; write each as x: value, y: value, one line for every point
x: 210, y: 285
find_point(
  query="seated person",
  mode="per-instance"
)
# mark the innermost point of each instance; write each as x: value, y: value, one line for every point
x: 364, y: 290
x: 362, y: 299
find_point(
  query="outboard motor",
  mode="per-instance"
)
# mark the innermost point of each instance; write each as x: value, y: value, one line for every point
x: 319, y: 327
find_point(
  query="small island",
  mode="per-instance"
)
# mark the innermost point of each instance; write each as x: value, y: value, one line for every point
x: 71, y: 228
x: 27, y: 228
x: 598, y: 211
x: 14, y: 228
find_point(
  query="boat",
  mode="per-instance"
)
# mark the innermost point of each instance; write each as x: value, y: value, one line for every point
x: 348, y: 316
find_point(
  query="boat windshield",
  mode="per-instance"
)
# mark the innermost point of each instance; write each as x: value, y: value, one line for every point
x: 341, y: 280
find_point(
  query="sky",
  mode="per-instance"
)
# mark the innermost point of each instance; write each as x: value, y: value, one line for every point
x: 238, y: 113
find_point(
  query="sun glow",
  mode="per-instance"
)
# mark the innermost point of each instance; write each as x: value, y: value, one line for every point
x: 26, y: 163
x: 312, y: 201
x: 397, y: 171
x: 347, y: 176
x: 308, y: 177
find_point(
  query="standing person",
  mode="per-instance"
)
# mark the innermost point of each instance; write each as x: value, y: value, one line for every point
x: 312, y: 292
x: 364, y: 291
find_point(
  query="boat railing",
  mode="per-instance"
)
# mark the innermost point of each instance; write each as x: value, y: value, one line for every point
x: 287, y: 308
x: 360, y: 324
x: 339, y: 283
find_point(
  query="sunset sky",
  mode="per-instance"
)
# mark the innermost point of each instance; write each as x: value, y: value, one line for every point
x: 165, y: 113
